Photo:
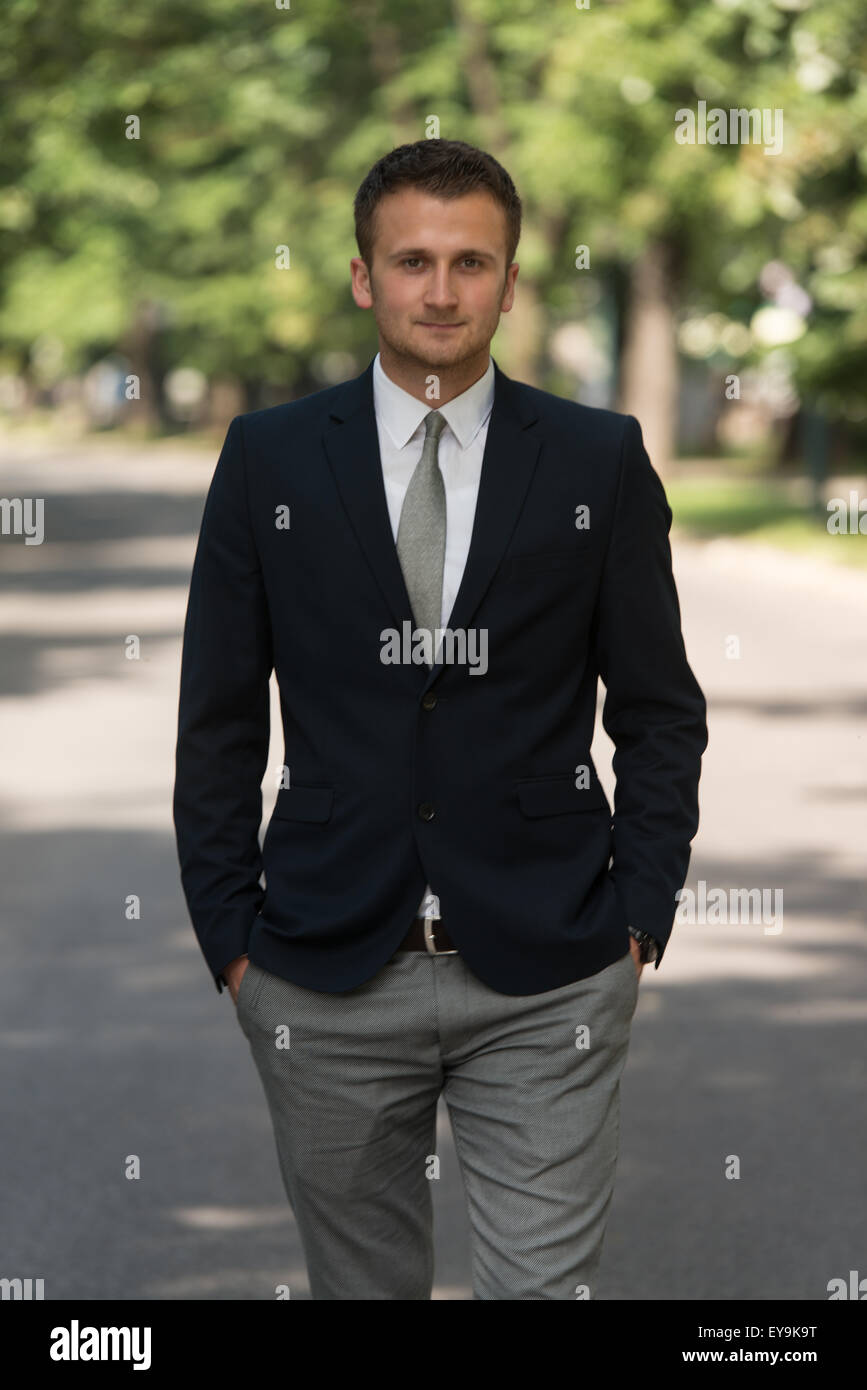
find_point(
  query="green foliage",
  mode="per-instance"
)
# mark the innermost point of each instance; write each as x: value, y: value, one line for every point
x: 258, y: 123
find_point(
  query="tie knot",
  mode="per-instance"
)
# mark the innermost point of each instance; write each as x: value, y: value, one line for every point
x: 434, y: 424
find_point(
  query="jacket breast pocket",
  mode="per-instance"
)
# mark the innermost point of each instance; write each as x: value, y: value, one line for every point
x: 558, y: 796
x: 546, y: 562
x: 304, y: 803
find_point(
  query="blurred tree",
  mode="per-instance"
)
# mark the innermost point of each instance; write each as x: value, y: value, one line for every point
x: 254, y: 126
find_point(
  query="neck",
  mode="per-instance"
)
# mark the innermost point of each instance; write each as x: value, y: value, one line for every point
x: 414, y: 378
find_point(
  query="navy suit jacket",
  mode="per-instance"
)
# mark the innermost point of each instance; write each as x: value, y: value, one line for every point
x: 400, y: 775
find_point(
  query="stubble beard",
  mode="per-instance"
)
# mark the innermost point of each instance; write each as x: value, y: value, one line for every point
x: 471, y: 340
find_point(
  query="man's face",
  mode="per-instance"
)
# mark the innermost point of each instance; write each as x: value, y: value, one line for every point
x: 439, y: 282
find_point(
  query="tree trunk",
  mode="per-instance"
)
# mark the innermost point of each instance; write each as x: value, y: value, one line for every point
x: 648, y: 364
x: 140, y: 345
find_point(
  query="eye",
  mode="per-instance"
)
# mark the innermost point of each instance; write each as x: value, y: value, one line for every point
x: 417, y: 259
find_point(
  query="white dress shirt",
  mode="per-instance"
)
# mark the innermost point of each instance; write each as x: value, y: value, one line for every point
x: 400, y: 425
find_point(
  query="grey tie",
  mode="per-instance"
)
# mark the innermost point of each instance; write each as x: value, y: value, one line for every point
x: 421, y: 532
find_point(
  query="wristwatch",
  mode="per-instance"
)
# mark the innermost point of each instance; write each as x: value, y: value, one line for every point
x: 649, y: 945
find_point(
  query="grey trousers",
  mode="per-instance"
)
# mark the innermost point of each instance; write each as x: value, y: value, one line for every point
x: 532, y: 1085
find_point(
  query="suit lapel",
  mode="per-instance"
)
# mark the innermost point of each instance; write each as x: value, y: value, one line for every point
x: 351, y: 444
x: 511, y: 449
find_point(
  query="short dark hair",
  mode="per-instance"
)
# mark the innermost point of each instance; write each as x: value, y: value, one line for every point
x: 445, y: 169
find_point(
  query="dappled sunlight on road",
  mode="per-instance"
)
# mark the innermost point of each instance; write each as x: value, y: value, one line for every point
x: 743, y: 1041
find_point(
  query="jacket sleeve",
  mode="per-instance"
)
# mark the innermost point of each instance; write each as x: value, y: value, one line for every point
x: 223, y: 719
x: 654, y: 710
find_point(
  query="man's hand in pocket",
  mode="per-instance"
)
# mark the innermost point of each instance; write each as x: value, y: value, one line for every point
x: 233, y: 974
x: 634, y: 947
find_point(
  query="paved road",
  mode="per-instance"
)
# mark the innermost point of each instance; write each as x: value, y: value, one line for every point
x: 114, y: 1042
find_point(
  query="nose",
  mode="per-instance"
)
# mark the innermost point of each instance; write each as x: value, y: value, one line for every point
x: 438, y: 292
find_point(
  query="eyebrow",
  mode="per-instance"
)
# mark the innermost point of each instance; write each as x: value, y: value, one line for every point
x: 423, y: 251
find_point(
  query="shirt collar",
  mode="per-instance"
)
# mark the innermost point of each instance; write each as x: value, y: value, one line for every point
x: 401, y: 413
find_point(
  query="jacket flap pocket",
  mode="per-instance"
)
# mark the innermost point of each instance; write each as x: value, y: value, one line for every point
x: 554, y: 796
x: 304, y: 803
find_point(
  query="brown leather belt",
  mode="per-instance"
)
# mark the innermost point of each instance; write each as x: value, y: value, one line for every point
x: 438, y: 943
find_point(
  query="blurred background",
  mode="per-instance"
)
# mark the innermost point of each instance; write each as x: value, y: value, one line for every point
x: 176, y: 186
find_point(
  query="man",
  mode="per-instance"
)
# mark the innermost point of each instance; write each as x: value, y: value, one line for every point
x: 439, y: 563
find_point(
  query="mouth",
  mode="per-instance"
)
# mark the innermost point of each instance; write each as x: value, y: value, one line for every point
x: 441, y: 327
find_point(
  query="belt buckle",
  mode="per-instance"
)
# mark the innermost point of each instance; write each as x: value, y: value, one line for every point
x: 430, y: 944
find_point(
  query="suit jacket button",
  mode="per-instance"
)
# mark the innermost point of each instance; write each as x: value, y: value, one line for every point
x: 426, y: 811
x: 429, y: 700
